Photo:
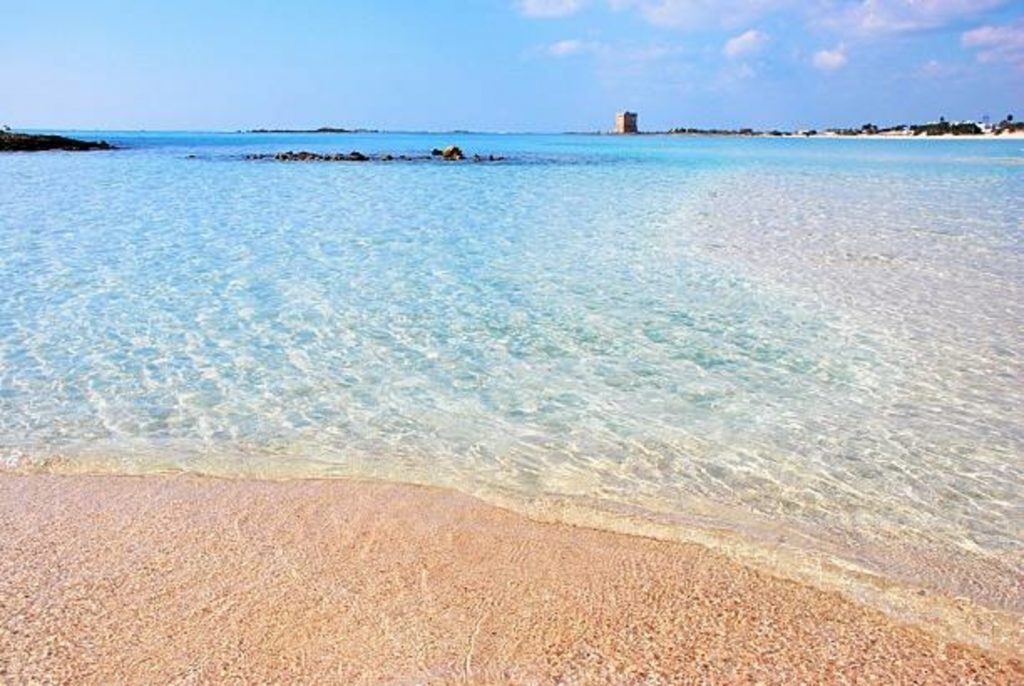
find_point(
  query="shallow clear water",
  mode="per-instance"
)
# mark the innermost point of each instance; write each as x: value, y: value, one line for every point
x: 820, y: 341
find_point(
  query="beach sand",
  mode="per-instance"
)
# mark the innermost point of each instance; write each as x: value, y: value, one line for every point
x: 177, y: 579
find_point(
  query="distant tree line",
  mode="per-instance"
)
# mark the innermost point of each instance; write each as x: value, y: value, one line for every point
x: 1007, y: 125
x: 939, y: 128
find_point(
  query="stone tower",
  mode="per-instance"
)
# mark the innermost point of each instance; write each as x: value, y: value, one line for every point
x: 625, y: 122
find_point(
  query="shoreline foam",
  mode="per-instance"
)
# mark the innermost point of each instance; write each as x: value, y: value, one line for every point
x: 159, y: 578
x: 779, y: 551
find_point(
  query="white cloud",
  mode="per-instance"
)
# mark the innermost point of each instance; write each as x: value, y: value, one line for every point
x: 644, y: 53
x: 848, y: 17
x: 747, y: 43
x: 621, y: 53
x: 870, y: 17
x: 830, y: 60
x: 997, y: 43
x: 745, y: 71
x: 565, y: 48
x: 694, y: 13
x: 934, y: 69
x: 549, y: 8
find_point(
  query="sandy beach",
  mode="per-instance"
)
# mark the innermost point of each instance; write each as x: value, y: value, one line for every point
x: 175, y: 579
x: 1007, y: 136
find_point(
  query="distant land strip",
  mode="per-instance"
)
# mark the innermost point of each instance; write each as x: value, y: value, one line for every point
x: 939, y: 128
x: 322, y: 129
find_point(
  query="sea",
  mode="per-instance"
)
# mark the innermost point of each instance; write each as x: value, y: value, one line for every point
x: 808, y: 352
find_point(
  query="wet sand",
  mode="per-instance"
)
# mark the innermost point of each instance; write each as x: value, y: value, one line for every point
x: 107, y: 579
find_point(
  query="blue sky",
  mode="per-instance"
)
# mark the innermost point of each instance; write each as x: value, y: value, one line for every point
x: 506, y: 65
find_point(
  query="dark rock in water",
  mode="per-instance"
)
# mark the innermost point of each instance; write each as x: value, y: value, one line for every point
x: 450, y: 153
x: 28, y: 142
x: 306, y: 156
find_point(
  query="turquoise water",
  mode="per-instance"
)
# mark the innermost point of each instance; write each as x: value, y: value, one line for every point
x: 817, y: 342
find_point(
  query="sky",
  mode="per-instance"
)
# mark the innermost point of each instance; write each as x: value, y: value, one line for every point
x: 506, y: 65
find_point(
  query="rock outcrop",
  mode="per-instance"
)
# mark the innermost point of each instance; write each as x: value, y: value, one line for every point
x: 450, y: 154
x: 30, y: 142
x: 306, y: 156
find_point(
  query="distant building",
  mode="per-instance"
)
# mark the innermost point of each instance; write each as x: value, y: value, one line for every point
x: 625, y: 122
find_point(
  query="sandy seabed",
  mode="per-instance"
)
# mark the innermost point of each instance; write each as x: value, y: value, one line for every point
x: 179, y: 579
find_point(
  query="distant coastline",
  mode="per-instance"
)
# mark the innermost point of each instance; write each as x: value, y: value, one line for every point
x: 1007, y: 128
x: 17, y: 141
